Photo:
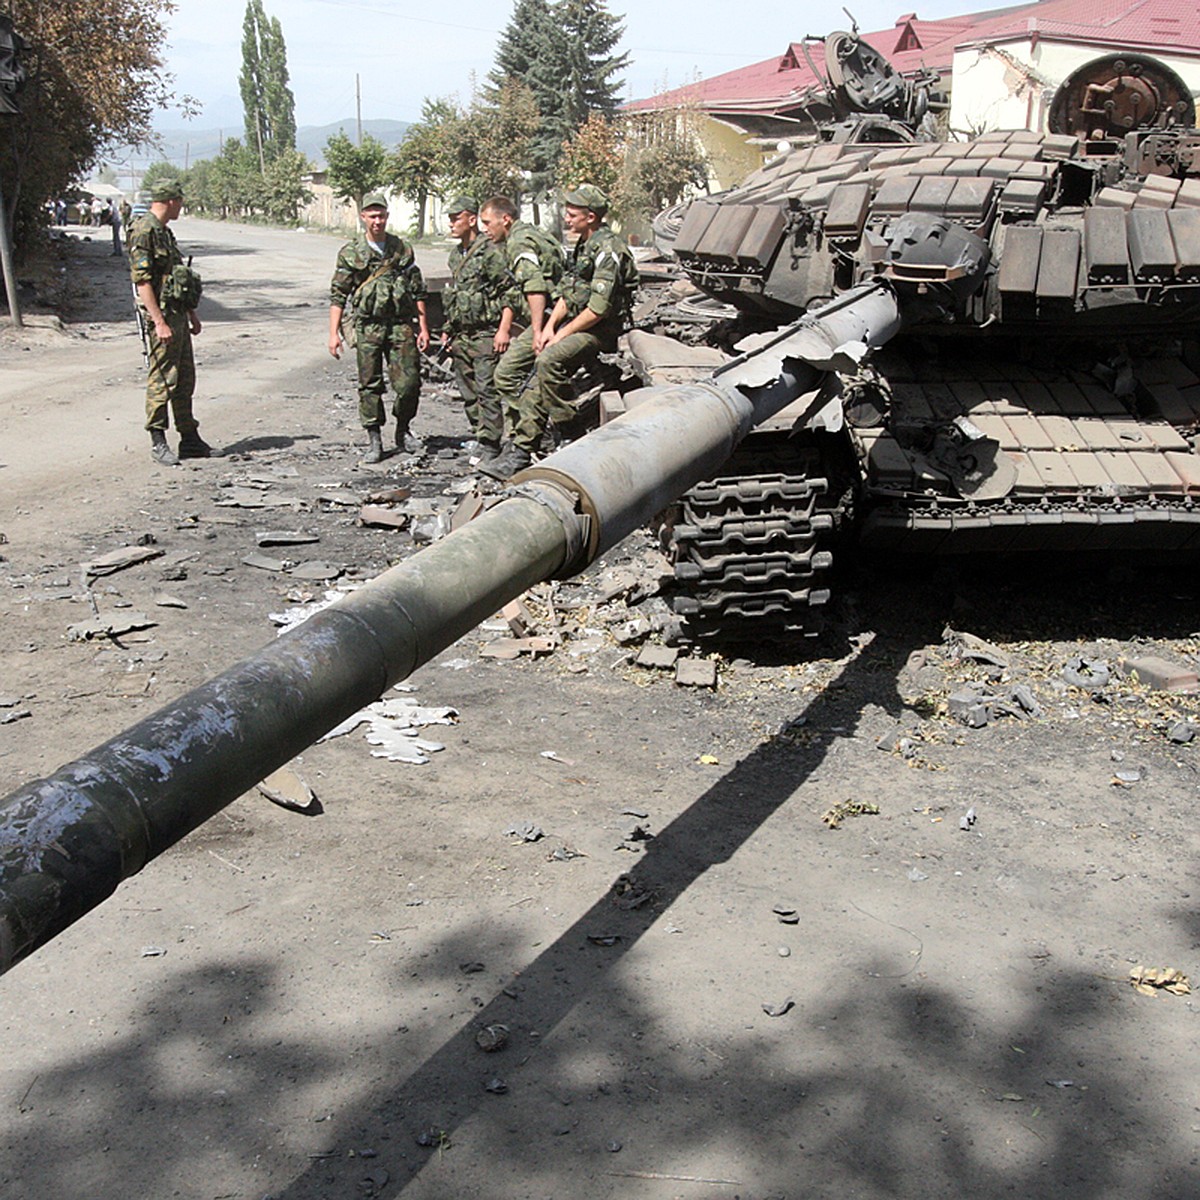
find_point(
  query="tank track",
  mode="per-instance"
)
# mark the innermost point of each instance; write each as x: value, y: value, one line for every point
x: 752, y: 545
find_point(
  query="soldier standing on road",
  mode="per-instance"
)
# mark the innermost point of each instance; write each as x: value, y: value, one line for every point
x: 480, y: 304
x: 168, y: 291
x: 378, y: 271
x: 535, y: 260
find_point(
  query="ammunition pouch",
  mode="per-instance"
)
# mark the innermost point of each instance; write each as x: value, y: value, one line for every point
x: 181, y: 288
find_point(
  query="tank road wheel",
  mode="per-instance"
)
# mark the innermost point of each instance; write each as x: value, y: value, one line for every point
x: 753, y: 545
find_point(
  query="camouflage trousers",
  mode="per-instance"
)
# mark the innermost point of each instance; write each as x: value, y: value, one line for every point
x: 172, y: 377
x: 535, y: 390
x: 393, y: 347
x: 474, y: 361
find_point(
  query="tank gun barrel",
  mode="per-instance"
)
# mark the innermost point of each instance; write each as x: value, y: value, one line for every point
x: 67, y: 841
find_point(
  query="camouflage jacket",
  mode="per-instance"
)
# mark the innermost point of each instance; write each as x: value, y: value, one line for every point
x: 155, y: 258
x: 534, y: 257
x: 481, y: 287
x: 600, y: 275
x: 384, y: 287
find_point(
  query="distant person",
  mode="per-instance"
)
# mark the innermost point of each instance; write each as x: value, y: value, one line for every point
x: 97, y: 211
x: 480, y: 303
x: 535, y: 260
x: 114, y: 220
x: 168, y: 291
x: 377, y: 274
x: 139, y: 208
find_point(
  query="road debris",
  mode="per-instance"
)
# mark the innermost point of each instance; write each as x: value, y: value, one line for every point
x: 110, y: 626
x: 696, y: 672
x: 264, y: 562
x: 117, y: 560
x: 525, y: 831
x: 285, y: 537
x: 1087, y: 673
x: 394, y: 726
x: 834, y: 816
x: 967, y: 645
x: 1159, y: 675
x: 967, y: 820
x: 778, y: 1010
x: 1151, y: 980
x: 287, y: 788
x: 492, y: 1038
x: 657, y: 658
x: 163, y: 600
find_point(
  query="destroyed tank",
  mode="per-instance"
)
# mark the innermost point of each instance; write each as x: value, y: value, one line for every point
x: 1043, y: 393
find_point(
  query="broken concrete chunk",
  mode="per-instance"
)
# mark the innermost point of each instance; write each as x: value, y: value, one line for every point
x: 118, y: 560
x: 14, y: 714
x: 519, y: 618
x: 1181, y: 733
x: 1024, y: 698
x: 696, y: 672
x: 430, y: 529
x: 969, y: 708
x: 1160, y: 674
x: 526, y: 831
x: 165, y: 601
x: 661, y: 658
x: 9, y: 701
x: 288, y: 789
x: 380, y: 514
x: 629, y: 632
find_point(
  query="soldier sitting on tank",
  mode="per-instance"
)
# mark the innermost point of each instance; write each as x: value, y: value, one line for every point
x: 480, y: 303
x: 590, y: 310
x: 377, y: 270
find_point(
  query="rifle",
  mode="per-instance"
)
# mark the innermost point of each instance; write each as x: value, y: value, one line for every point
x: 141, y: 321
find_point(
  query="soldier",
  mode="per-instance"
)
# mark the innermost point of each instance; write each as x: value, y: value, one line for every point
x: 378, y: 271
x: 535, y: 260
x: 168, y: 291
x: 479, y: 304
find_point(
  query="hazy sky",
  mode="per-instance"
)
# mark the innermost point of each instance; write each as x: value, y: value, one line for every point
x: 404, y: 51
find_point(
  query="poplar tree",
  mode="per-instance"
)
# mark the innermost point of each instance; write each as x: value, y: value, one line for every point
x: 267, y: 101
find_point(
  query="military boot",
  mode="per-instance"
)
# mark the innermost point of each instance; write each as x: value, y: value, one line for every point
x: 487, y: 454
x: 374, y: 452
x: 408, y: 441
x: 192, y: 445
x: 507, y: 464
x: 160, y: 451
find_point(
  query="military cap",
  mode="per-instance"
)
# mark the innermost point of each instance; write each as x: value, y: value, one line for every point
x: 374, y: 200
x: 461, y: 204
x: 166, y: 189
x: 588, y: 196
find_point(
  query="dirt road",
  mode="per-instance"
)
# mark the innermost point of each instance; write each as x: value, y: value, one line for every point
x: 291, y: 1006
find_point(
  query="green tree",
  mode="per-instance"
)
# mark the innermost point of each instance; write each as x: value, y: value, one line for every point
x: 592, y: 155
x: 422, y: 163
x: 283, y: 187
x: 352, y: 170
x: 267, y: 101
x: 95, y: 76
x: 565, y: 53
x: 663, y: 161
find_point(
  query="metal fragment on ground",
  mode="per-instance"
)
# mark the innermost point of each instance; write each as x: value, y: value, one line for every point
x: 111, y: 626
x: 264, y: 562
x: 285, y: 537
x: 319, y: 572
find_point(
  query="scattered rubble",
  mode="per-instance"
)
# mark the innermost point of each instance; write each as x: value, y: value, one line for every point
x: 117, y: 560
x: 1159, y: 675
x: 287, y: 788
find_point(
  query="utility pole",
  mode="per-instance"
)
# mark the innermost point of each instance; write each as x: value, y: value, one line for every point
x: 358, y: 108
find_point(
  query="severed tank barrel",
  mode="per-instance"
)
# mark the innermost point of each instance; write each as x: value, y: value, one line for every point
x: 67, y: 841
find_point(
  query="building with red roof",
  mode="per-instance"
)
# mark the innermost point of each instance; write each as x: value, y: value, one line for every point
x: 1000, y: 67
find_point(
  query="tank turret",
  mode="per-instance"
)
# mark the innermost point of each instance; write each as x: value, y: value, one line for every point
x: 1044, y: 391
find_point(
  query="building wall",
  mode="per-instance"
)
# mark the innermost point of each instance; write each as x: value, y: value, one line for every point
x: 1012, y: 85
x: 730, y: 157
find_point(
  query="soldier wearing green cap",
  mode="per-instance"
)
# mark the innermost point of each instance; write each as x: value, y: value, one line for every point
x: 168, y: 291
x: 480, y: 304
x: 378, y: 272
x: 591, y: 307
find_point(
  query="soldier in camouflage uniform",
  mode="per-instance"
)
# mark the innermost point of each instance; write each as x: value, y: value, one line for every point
x: 480, y: 304
x: 168, y: 291
x: 535, y: 260
x: 379, y: 272
x: 590, y: 309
